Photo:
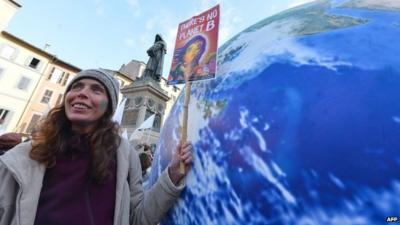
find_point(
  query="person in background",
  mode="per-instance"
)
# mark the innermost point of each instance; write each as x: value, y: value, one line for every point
x: 8, y: 141
x: 78, y: 170
x: 145, y: 161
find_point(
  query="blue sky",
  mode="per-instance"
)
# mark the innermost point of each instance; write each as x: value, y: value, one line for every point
x: 107, y: 34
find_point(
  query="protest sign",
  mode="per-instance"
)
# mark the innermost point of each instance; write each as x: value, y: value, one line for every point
x: 195, y: 54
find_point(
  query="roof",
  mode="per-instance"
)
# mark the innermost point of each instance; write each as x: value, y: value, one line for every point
x: 52, y: 57
x: 15, y: 3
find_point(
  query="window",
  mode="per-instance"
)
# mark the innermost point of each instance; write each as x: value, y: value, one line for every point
x: 61, y: 78
x: 56, y: 75
x: 3, y: 115
x: 33, y: 123
x: 8, y: 52
x: 59, y: 99
x: 66, y: 79
x: 23, y: 83
x: 46, y: 97
x: 34, y: 62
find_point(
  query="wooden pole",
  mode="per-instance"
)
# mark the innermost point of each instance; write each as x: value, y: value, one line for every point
x: 185, y: 121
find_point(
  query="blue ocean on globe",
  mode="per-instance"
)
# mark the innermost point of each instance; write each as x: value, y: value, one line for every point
x: 301, y: 124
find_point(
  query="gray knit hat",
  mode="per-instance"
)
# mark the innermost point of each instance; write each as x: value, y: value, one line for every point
x: 104, y: 77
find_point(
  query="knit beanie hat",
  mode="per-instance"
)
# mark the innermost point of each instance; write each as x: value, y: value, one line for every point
x: 104, y: 77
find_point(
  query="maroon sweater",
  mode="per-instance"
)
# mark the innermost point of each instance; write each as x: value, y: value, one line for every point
x: 69, y: 197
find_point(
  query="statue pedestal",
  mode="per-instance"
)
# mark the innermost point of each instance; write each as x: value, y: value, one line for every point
x: 144, y: 98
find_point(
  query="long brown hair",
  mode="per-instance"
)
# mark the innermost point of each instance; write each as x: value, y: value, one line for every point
x: 52, y: 134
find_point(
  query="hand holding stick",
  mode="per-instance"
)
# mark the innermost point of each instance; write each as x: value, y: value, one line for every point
x: 185, y: 120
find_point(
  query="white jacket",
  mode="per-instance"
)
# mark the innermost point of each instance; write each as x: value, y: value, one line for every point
x: 21, y: 181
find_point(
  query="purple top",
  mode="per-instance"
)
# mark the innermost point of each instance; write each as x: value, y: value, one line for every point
x: 68, y: 197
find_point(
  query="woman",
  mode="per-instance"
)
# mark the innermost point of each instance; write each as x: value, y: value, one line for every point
x: 77, y: 169
x: 189, y: 59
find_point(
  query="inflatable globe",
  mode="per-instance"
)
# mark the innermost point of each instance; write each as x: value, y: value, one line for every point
x: 301, y: 124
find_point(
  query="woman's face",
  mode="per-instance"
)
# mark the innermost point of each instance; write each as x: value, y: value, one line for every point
x: 85, y: 103
x: 191, y: 52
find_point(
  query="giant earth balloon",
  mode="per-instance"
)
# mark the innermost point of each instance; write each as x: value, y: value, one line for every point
x: 301, y: 124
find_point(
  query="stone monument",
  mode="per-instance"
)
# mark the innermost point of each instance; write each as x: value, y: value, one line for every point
x: 155, y: 64
x: 145, y: 97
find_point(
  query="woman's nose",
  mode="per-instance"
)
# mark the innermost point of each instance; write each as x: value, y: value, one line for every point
x: 83, y: 93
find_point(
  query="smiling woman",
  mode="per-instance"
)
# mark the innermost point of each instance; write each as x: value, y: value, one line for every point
x: 78, y: 162
x: 85, y: 103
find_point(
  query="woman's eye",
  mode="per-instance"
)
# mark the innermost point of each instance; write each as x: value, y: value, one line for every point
x: 76, y: 86
x: 98, y: 89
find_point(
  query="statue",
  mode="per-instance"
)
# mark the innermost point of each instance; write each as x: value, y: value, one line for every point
x: 155, y: 64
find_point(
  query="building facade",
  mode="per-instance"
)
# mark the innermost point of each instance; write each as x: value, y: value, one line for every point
x: 32, y: 81
x: 133, y: 69
x: 48, y: 93
x: 7, y: 10
x: 20, y: 70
